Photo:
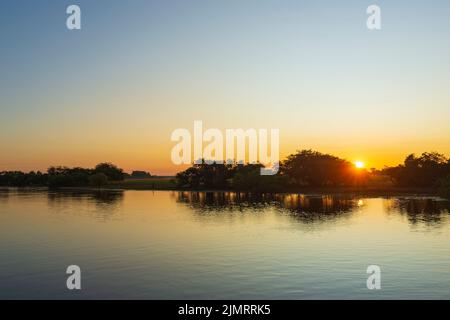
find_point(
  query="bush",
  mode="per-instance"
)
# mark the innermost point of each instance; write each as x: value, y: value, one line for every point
x: 110, y: 170
x: 98, y: 180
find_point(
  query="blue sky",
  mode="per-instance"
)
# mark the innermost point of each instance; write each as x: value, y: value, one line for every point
x: 139, y: 69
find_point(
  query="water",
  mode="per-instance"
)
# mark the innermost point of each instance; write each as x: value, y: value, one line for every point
x: 179, y: 245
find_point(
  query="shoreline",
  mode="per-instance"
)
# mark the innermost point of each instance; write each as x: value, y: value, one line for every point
x: 368, y: 191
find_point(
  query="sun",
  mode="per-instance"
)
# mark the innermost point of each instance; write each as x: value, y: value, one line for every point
x: 359, y: 164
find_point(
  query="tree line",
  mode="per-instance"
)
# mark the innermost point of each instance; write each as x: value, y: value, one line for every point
x: 312, y: 169
x: 64, y: 177
x: 306, y: 168
x: 303, y: 169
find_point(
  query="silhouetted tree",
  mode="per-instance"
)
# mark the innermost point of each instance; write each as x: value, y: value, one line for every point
x: 68, y: 177
x: 140, y: 175
x: 20, y: 179
x: 98, y: 180
x: 213, y: 176
x: 110, y: 170
x: 237, y: 176
x: 248, y: 178
x: 423, y: 171
x: 315, y: 169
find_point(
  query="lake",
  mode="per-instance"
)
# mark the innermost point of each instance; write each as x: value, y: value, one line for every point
x: 221, y: 245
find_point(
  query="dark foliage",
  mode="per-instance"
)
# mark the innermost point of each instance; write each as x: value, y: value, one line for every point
x: 57, y: 177
x: 140, y: 175
x: 306, y: 168
x: 68, y: 177
x: 110, y: 170
x: 214, y: 176
x: 424, y: 171
x: 20, y: 179
x: 98, y: 180
x: 309, y: 168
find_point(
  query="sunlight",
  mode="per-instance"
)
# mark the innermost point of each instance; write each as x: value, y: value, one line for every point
x: 359, y: 164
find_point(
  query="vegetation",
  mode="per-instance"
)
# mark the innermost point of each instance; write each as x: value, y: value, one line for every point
x: 314, y: 169
x: 308, y: 169
x: 20, y: 179
x: 225, y: 176
x: 426, y: 170
x: 140, y: 175
x: 98, y: 180
x: 110, y: 170
x: 305, y: 169
x: 210, y: 176
x: 57, y: 177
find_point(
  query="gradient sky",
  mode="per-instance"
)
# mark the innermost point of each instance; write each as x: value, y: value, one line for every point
x: 115, y: 90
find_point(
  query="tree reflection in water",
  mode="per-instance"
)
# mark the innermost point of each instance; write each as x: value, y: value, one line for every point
x: 311, y: 208
x: 105, y: 202
x: 4, y: 194
x: 301, y: 207
x: 428, y: 211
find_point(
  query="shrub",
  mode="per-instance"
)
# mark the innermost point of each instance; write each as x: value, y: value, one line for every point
x: 98, y: 180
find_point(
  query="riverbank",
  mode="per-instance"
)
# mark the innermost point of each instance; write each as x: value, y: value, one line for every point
x: 169, y: 184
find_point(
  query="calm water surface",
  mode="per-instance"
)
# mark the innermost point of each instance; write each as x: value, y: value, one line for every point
x: 179, y: 245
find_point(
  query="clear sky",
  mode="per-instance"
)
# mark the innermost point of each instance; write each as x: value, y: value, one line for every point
x: 116, y: 89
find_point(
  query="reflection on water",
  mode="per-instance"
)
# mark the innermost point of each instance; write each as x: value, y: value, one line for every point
x: 4, y: 194
x: 105, y: 202
x: 295, y: 202
x: 419, y: 210
x: 316, y: 208
x: 221, y: 245
x: 103, y: 198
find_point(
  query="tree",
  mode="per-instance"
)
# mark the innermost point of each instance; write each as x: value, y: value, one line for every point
x: 248, y: 178
x: 213, y: 176
x: 98, y: 180
x: 68, y: 177
x: 315, y: 169
x: 140, y: 175
x: 423, y: 171
x: 110, y: 170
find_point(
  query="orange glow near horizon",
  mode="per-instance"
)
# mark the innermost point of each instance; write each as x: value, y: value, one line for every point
x: 359, y: 164
x: 154, y: 156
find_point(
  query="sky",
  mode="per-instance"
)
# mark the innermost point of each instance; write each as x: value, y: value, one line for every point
x: 137, y: 70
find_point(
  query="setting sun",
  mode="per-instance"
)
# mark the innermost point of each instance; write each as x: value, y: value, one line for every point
x: 359, y: 164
